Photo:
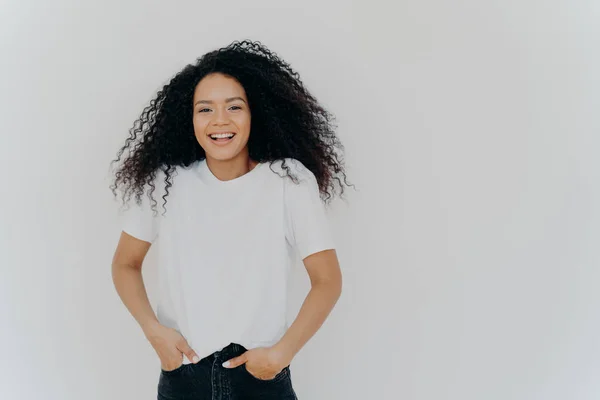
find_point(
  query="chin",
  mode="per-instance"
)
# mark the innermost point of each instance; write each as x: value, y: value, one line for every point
x: 224, y: 155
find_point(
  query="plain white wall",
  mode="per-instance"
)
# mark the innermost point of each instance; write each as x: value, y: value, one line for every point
x: 469, y: 253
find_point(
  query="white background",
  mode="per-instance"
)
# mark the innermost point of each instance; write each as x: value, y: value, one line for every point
x: 470, y: 250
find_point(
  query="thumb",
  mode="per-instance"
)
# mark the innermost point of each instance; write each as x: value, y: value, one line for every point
x: 236, y: 361
x: 185, y: 348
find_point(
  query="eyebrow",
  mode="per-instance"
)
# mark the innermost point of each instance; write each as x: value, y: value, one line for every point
x: 228, y: 100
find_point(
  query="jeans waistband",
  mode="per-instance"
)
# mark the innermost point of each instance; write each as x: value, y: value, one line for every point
x: 229, y: 351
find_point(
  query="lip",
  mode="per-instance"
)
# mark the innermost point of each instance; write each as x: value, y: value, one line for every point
x: 221, y: 143
x: 217, y: 132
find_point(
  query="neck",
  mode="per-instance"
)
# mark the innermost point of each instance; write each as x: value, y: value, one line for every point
x: 226, y: 170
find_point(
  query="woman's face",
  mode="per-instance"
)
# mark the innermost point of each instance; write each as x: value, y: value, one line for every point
x: 221, y: 117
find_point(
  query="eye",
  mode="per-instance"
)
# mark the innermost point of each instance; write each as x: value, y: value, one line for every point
x: 236, y: 108
x: 204, y: 110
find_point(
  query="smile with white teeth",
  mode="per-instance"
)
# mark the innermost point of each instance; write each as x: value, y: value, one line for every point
x: 222, y: 136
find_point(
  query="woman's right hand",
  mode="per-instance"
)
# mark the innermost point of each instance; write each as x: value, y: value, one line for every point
x: 170, y: 346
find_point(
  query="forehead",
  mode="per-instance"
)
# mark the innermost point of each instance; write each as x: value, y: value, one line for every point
x: 218, y: 87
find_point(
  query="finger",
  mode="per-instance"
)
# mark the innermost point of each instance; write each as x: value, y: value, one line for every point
x: 185, y: 348
x: 236, y: 361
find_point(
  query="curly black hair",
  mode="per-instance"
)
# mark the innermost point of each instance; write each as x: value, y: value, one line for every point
x: 287, y: 122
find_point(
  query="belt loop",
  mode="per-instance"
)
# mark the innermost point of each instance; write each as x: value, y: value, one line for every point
x: 239, y: 349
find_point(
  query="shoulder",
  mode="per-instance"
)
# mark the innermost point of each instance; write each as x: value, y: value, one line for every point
x: 293, y: 167
x: 158, y: 181
x: 175, y: 173
x: 162, y: 184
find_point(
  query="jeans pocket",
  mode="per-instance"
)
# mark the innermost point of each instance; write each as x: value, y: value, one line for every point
x: 284, y: 373
x: 173, y: 371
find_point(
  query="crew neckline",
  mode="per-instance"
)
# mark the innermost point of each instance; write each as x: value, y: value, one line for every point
x: 208, y: 176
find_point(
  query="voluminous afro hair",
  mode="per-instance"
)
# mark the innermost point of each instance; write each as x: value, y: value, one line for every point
x: 287, y: 122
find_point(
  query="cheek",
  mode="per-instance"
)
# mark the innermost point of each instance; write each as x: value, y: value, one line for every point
x: 243, y: 122
x: 199, y: 125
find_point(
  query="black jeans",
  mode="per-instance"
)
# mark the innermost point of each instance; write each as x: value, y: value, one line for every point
x: 209, y: 380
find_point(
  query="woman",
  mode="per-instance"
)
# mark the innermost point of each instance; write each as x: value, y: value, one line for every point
x: 245, y: 157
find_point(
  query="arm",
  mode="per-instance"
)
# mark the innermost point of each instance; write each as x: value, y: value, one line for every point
x: 129, y: 283
x: 326, y: 281
x: 326, y: 287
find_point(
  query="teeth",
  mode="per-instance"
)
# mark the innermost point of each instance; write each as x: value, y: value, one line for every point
x: 222, y: 135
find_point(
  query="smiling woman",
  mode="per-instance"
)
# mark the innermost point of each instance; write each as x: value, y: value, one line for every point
x: 234, y: 226
x: 221, y: 113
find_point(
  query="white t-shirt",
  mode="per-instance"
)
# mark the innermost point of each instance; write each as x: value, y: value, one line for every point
x: 225, y: 249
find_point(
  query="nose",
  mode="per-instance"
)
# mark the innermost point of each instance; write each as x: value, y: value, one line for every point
x: 220, y: 117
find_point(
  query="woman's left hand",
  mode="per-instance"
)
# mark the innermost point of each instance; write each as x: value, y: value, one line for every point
x: 261, y: 362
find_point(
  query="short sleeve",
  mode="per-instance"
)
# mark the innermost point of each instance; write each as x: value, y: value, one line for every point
x: 139, y: 220
x: 307, y: 225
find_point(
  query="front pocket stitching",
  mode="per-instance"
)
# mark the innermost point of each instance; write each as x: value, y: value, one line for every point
x: 277, y: 378
x: 174, y: 371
